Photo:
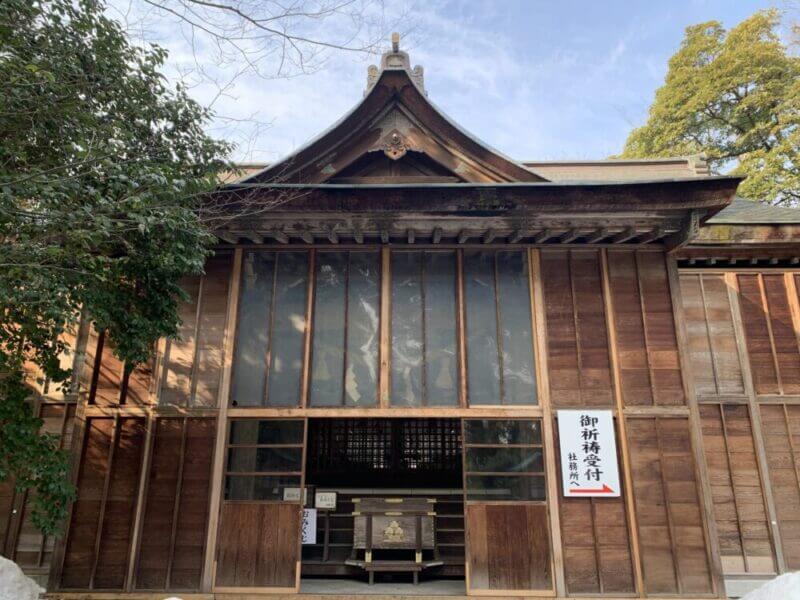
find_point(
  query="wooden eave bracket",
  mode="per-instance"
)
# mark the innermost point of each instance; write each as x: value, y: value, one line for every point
x: 688, y: 232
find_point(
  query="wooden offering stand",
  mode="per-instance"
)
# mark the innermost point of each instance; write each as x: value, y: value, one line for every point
x: 382, y: 524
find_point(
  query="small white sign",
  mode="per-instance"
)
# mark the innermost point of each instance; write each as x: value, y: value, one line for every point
x: 309, y: 526
x: 292, y: 494
x: 588, y: 453
x: 326, y: 500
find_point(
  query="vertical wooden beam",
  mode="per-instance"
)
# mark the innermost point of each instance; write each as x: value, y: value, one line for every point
x: 548, y: 436
x: 701, y: 470
x: 141, y: 500
x: 616, y: 378
x: 732, y: 283
x: 385, y: 345
x: 304, y: 384
x: 215, y: 497
x: 462, y: 330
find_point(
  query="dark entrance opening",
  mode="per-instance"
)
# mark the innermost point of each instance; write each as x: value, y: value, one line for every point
x: 384, y: 458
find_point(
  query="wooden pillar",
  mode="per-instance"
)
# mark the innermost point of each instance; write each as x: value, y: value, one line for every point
x: 215, y: 499
x: 627, y: 476
x: 701, y: 471
x: 548, y: 436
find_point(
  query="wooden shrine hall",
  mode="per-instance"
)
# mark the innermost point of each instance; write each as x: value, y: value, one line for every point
x: 414, y: 360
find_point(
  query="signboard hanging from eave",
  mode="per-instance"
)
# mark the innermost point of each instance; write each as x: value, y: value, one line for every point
x: 589, y: 466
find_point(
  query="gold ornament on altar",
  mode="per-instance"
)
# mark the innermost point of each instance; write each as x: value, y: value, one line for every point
x: 393, y: 533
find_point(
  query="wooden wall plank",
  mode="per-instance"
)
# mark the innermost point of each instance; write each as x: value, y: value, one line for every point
x: 115, y: 540
x: 660, y: 328
x: 160, y: 566
x: 597, y: 553
x: 98, y: 544
x: 756, y: 328
x: 739, y: 507
x: 578, y: 359
x: 509, y: 547
x: 264, y: 556
x: 176, y: 387
x: 668, y: 507
x: 785, y: 346
x: 712, y: 344
x: 79, y: 554
x: 190, y: 540
x: 157, y: 519
x: 634, y: 368
x: 109, y: 372
x: 781, y: 428
x: 211, y: 330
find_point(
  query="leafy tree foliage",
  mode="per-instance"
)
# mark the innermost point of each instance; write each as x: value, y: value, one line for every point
x: 102, y: 167
x: 734, y: 96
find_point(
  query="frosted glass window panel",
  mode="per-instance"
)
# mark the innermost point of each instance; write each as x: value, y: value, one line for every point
x: 441, y: 354
x: 288, y: 329
x: 483, y: 362
x: 516, y: 339
x: 327, y: 365
x: 252, y: 336
x: 407, y: 329
x: 363, y: 329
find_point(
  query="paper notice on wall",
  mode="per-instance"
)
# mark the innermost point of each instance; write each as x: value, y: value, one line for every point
x: 309, y: 526
x: 589, y: 466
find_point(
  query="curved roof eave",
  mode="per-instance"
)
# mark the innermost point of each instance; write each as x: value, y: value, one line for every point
x: 333, y: 132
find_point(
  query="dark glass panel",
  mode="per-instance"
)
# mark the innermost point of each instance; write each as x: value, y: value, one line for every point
x: 291, y: 285
x: 252, y: 334
x: 363, y: 329
x: 514, y: 303
x: 248, y: 487
x: 505, y: 487
x: 407, y: 342
x: 441, y: 355
x: 327, y: 368
x: 249, y: 460
x: 483, y: 367
x: 505, y: 460
x: 251, y: 431
x: 493, y: 431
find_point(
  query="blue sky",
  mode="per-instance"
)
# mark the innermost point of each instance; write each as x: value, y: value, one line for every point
x: 536, y: 80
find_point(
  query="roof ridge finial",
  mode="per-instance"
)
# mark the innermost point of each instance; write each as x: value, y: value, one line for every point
x: 395, y: 59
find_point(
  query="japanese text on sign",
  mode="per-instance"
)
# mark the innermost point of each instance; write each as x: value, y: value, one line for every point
x: 588, y: 453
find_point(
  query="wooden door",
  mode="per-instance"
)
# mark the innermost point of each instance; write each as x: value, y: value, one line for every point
x: 258, y: 545
x: 506, y: 519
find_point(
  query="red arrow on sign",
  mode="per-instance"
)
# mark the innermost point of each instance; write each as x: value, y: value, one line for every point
x: 604, y: 490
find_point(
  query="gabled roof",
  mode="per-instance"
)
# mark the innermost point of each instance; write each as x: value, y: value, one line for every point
x: 395, y: 135
x: 747, y: 212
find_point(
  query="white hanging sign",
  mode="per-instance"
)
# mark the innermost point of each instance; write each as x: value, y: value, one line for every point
x: 309, y: 526
x: 588, y: 445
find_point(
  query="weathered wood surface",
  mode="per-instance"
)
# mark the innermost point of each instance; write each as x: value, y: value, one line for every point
x: 508, y: 547
x: 258, y: 545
